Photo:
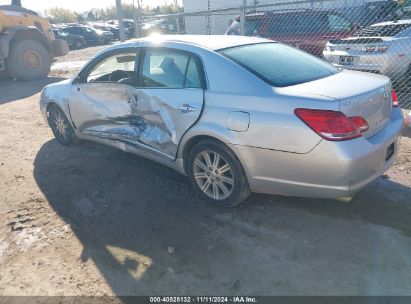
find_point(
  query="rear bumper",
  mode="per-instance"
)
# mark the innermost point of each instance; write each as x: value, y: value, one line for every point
x: 330, y: 170
x: 385, y: 64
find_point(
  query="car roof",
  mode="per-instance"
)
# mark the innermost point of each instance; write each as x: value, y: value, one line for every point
x: 211, y: 42
x: 399, y: 22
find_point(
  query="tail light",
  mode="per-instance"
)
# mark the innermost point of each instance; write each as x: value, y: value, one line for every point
x: 332, y: 125
x: 394, y: 98
x: 383, y: 48
x: 370, y: 49
x: 360, y: 123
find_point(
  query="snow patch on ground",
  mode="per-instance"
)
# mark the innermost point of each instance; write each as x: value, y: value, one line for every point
x: 4, y: 246
x: 28, y: 237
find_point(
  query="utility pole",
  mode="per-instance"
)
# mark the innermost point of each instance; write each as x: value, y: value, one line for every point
x: 137, y: 27
x: 120, y: 19
x: 208, y: 18
x: 242, y: 18
x: 16, y: 2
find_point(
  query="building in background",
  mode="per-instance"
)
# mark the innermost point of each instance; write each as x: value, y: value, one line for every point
x: 217, y: 23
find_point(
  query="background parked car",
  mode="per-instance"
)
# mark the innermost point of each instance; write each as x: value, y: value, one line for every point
x: 128, y: 25
x: 91, y: 35
x: 161, y: 26
x: 113, y: 29
x: 382, y: 48
x: 74, y: 41
x: 309, y: 30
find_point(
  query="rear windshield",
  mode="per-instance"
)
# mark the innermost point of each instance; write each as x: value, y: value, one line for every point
x: 279, y: 65
x: 381, y: 30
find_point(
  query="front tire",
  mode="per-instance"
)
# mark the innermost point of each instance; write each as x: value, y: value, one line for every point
x: 29, y: 60
x: 217, y: 174
x: 78, y: 44
x: 61, y: 127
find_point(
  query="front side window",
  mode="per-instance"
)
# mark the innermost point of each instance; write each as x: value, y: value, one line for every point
x: 62, y: 34
x: 279, y: 65
x: 116, y: 68
x: 281, y: 24
x: 170, y: 69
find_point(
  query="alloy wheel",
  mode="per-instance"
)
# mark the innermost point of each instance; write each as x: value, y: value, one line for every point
x: 213, y: 175
x: 60, y: 125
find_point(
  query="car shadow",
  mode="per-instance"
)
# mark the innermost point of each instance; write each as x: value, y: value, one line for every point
x: 146, y: 230
x: 11, y: 90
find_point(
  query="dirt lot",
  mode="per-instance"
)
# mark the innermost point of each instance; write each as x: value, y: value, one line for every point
x: 91, y: 220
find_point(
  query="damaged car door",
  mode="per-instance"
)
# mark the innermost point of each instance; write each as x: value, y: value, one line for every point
x: 169, y: 96
x: 100, y: 103
x: 148, y: 105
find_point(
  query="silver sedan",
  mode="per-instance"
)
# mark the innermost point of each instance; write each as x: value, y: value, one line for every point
x: 382, y: 48
x: 236, y: 114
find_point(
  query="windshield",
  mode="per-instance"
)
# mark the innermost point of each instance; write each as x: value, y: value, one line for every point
x: 279, y: 65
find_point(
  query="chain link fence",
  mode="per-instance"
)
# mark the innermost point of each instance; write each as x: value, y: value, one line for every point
x: 369, y: 36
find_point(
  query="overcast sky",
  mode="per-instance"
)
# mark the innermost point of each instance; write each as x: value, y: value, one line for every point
x: 79, y: 5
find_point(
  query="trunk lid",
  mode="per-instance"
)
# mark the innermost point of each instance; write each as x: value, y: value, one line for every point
x: 374, y: 106
x: 360, y: 94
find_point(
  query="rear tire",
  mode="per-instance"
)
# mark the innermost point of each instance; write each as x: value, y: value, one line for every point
x: 29, y: 60
x: 61, y: 127
x: 217, y: 174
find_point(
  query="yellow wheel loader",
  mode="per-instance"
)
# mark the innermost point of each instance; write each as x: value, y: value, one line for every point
x: 27, y: 44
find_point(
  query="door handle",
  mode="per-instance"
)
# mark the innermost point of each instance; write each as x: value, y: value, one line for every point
x: 186, y: 108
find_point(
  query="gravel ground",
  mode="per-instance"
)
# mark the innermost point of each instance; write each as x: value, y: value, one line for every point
x: 92, y: 220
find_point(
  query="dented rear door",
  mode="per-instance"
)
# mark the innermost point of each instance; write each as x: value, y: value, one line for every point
x: 169, y: 97
x: 167, y: 115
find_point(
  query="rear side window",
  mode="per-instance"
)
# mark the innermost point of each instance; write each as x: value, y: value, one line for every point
x: 281, y: 24
x: 312, y: 23
x: 193, y: 74
x: 290, y: 24
x: 170, y: 69
x: 279, y: 65
x: 251, y: 27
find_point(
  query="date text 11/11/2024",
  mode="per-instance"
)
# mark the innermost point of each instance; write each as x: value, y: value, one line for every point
x: 204, y: 299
